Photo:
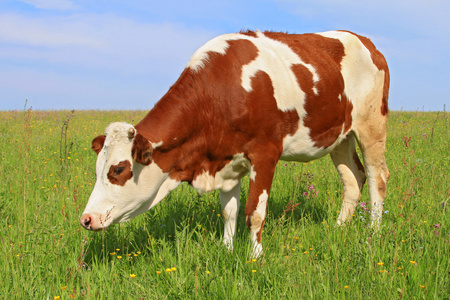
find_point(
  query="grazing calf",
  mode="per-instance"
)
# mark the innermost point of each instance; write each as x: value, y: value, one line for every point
x: 244, y: 102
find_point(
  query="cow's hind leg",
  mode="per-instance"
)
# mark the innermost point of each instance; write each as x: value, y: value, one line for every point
x: 352, y: 175
x: 230, y: 210
x: 372, y: 141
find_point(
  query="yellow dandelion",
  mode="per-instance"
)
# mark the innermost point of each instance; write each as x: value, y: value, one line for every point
x: 254, y: 271
x: 132, y: 275
x: 139, y: 252
x: 253, y: 260
x: 57, y: 297
x: 422, y: 286
x: 412, y: 262
x: 173, y: 269
x: 112, y: 253
x: 158, y: 272
x: 119, y: 257
x: 380, y: 263
x: 117, y: 249
x: 346, y: 287
x: 64, y: 287
x: 168, y: 270
x: 207, y: 272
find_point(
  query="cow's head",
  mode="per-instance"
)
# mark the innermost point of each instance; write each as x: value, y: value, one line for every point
x: 128, y: 181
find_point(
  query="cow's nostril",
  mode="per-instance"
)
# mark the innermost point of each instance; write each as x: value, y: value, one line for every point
x: 86, y: 222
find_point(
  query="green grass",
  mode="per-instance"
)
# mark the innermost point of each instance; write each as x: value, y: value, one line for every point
x: 175, y: 250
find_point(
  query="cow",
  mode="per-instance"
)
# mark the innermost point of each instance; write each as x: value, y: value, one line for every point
x: 245, y: 101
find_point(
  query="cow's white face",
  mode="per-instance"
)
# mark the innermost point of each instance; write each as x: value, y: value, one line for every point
x: 128, y: 182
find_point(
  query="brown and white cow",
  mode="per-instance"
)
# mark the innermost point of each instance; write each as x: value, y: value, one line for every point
x: 244, y: 102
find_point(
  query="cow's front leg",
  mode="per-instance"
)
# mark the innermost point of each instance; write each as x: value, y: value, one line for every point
x: 261, y: 176
x: 230, y: 210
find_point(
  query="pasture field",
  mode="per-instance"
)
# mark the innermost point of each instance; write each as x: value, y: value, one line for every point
x: 174, y: 251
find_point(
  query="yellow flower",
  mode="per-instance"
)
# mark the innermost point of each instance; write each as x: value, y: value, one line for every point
x: 254, y: 271
x: 57, y: 297
x: 119, y: 257
x: 139, y: 252
x: 422, y: 286
x: 64, y: 287
x: 117, y: 249
x: 168, y: 270
x: 132, y: 275
x: 174, y: 269
x: 112, y: 253
x: 253, y: 260
x: 346, y: 287
x: 380, y: 263
x: 207, y: 272
x: 412, y: 262
x: 158, y: 272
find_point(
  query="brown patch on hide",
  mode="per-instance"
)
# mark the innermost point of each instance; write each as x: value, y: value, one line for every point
x: 248, y: 33
x: 207, y: 117
x: 120, y: 173
x: 328, y: 110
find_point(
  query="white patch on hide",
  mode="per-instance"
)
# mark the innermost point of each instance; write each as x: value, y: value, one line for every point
x: 217, y: 45
x: 226, y: 179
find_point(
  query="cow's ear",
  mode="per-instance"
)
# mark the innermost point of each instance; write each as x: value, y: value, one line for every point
x: 97, y: 143
x: 142, y: 150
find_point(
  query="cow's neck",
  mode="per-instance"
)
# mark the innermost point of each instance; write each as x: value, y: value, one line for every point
x: 171, y: 123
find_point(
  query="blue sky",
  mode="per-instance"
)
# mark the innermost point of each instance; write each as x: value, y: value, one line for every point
x: 108, y: 54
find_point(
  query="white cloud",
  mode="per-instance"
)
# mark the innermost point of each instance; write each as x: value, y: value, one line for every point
x: 51, y: 4
x: 47, y: 32
x: 91, y: 60
x: 98, y: 41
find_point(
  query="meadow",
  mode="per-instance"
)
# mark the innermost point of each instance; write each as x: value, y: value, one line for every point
x: 175, y: 251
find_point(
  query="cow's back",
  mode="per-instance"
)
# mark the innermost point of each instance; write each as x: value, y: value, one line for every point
x: 306, y: 91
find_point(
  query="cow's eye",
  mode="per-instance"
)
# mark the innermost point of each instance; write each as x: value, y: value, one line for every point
x: 118, y: 170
